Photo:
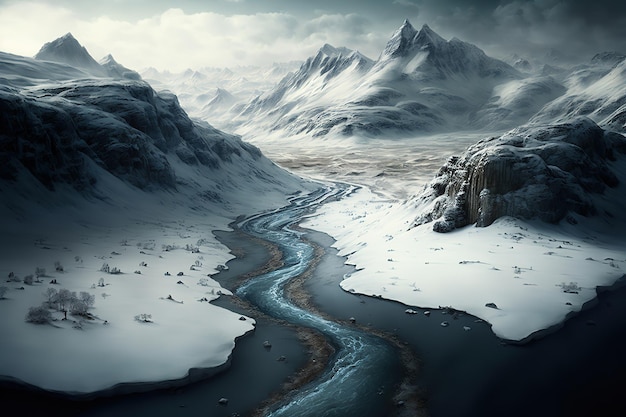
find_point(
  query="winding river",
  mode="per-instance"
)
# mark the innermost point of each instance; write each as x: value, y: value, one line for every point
x: 358, y: 380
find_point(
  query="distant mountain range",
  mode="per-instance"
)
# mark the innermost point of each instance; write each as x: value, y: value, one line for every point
x: 420, y: 83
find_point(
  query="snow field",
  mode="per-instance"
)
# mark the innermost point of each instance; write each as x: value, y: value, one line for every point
x: 184, y: 333
x: 520, y: 266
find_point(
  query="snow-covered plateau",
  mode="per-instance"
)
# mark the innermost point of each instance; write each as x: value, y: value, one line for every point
x: 110, y: 194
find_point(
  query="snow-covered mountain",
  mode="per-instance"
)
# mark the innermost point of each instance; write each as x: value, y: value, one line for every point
x: 74, y: 131
x: 217, y: 94
x: 117, y: 70
x: 97, y: 168
x: 420, y: 83
x: 68, y: 50
x: 596, y: 91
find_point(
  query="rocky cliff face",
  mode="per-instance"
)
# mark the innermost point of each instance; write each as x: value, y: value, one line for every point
x: 529, y: 173
x: 59, y: 132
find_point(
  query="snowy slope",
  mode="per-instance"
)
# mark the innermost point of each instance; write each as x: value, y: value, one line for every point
x: 116, y: 70
x: 102, y: 171
x: 68, y: 50
x: 596, y: 91
x: 420, y: 83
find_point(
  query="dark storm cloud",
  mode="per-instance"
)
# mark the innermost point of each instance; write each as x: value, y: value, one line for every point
x: 572, y: 28
x: 262, y: 31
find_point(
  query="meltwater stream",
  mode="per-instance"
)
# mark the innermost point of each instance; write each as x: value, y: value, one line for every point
x: 362, y: 373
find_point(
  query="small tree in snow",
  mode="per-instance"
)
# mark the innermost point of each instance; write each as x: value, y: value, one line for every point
x: 28, y: 279
x: 58, y: 267
x: 101, y: 282
x: 3, y: 291
x: 64, y: 299
x: 88, y: 299
x: 79, y: 308
x: 105, y: 268
x: 38, y: 315
x: 51, y: 295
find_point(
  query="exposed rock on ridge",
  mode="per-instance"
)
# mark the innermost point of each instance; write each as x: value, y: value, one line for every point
x: 529, y: 173
x: 122, y: 126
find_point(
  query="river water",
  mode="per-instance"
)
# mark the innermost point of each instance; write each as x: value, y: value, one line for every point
x: 577, y: 371
x: 364, y: 369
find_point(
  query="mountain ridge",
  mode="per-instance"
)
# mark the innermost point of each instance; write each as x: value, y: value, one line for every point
x: 420, y: 83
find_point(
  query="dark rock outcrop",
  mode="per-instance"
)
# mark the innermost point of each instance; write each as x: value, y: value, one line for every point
x: 57, y: 133
x: 533, y: 172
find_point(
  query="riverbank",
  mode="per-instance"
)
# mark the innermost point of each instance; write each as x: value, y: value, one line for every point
x: 408, y: 398
x: 252, y: 375
x: 317, y: 349
x: 576, y: 371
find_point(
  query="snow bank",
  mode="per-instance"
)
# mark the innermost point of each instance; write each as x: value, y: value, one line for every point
x: 91, y: 353
x: 519, y: 266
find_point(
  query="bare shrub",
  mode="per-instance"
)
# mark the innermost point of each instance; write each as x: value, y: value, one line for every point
x: 51, y: 295
x: 87, y: 298
x: 79, y: 308
x: 38, y: 315
x: 13, y: 277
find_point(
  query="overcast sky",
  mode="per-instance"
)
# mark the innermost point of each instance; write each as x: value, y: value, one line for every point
x: 182, y: 34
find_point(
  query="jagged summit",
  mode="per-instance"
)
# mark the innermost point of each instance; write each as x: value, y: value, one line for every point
x: 67, y: 50
x: 427, y: 36
x: 400, y: 41
x: 108, y: 60
x: 407, y: 39
x: 330, y: 50
x: 609, y: 58
x: 424, y: 54
x: 116, y: 70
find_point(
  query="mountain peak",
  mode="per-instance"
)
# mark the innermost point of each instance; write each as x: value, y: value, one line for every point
x: 406, y: 31
x: 68, y: 36
x: 400, y: 41
x: 428, y: 37
x: 67, y: 50
x: 108, y: 60
x: 331, y: 51
x: 117, y: 70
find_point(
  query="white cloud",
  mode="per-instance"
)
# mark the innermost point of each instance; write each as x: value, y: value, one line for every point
x: 176, y: 40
